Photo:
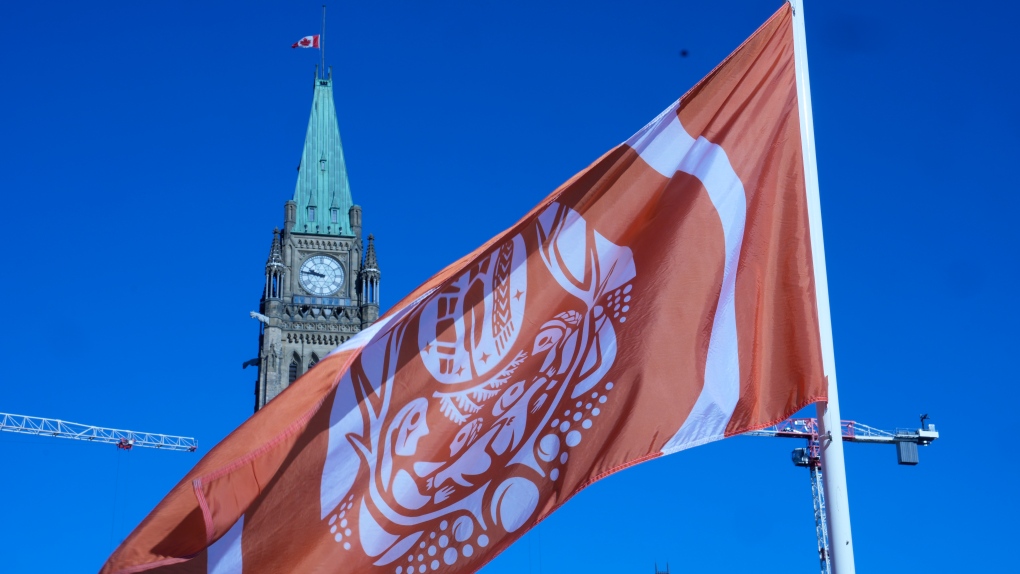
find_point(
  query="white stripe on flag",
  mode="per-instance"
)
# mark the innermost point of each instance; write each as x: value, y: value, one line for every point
x: 224, y: 556
x: 667, y: 147
x: 363, y: 337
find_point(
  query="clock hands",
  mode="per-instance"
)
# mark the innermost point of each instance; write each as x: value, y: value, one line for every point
x: 321, y: 275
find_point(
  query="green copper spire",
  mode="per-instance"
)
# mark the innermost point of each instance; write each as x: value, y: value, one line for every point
x: 323, y: 194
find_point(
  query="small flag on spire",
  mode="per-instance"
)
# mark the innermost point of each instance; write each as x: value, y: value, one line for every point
x: 307, y: 42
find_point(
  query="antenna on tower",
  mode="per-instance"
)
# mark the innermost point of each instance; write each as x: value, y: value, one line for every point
x: 322, y: 41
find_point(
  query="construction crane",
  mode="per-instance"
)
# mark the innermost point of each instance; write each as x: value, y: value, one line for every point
x: 906, y: 441
x: 124, y: 439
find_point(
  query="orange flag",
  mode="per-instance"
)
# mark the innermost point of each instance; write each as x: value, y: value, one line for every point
x: 662, y: 298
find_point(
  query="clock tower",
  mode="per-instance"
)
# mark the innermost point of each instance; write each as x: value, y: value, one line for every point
x: 322, y: 282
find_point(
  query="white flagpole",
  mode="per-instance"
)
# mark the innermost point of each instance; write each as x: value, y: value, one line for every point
x: 831, y: 437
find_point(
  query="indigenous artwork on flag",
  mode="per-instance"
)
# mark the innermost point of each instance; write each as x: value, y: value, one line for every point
x: 509, y: 391
x: 661, y: 299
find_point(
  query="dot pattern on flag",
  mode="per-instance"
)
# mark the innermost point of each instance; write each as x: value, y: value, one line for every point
x: 340, y: 524
x: 445, y: 546
x: 569, y: 430
x: 512, y: 389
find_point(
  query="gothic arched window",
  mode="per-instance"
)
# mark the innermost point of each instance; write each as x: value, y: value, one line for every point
x: 274, y: 286
x: 295, y: 364
x: 311, y: 363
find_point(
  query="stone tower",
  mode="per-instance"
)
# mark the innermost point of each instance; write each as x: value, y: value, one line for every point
x: 318, y: 291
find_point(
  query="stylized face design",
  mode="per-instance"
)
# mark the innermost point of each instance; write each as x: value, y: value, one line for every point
x: 500, y: 379
x: 409, y: 426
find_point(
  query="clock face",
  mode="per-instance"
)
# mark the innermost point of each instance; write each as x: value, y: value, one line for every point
x: 321, y: 275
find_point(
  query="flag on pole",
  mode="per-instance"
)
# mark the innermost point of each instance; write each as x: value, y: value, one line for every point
x: 661, y: 299
x: 307, y: 42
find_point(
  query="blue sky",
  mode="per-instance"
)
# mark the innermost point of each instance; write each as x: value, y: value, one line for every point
x: 146, y: 150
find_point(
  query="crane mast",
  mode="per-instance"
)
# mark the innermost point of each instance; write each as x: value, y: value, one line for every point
x: 905, y: 440
x: 124, y: 439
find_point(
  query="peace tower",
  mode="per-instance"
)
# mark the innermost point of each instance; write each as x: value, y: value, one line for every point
x: 322, y: 284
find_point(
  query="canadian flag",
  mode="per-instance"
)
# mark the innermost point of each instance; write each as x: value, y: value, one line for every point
x: 307, y: 42
x: 661, y: 299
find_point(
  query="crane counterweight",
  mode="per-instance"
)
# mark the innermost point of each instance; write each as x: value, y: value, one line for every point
x: 906, y: 441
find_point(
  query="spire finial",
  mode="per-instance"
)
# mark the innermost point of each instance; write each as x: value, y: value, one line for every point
x: 370, y: 260
x: 275, y: 261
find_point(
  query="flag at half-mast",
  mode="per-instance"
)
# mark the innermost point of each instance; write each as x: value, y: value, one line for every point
x: 307, y: 42
x: 661, y: 299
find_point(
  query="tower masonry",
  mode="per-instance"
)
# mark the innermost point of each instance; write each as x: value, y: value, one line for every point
x: 322, y: 285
